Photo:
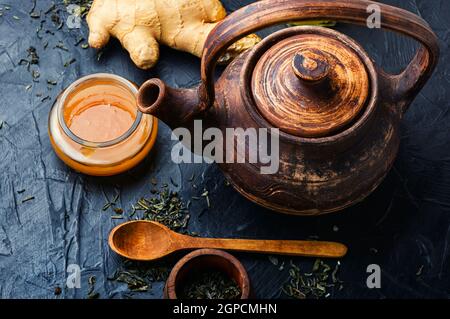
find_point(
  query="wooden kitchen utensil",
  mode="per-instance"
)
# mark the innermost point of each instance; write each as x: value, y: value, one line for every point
x: 338, y: 114
x: 202, y: 260
x: 146, y: 240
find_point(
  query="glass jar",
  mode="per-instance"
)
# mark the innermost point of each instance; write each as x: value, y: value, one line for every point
x: 107, y: 154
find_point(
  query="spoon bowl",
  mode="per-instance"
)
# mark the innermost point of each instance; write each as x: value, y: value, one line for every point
x: 147, y: 240
x: 142, y: 240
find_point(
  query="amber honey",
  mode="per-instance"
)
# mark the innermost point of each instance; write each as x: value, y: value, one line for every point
x: 96, y: 128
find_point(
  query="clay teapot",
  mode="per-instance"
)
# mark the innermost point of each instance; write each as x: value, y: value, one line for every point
x: 338, y: 113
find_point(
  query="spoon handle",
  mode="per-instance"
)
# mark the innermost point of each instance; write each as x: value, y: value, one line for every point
x: 277, y: 247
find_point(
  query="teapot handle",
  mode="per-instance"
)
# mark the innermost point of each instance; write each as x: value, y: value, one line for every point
x: 256, y: 16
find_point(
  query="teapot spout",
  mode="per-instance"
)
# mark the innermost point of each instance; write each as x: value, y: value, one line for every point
x: 177, y: 107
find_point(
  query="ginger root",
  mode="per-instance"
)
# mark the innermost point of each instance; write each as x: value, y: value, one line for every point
x: 140, y: 25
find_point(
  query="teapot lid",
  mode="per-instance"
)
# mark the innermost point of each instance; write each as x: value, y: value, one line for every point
x: 310, y: 84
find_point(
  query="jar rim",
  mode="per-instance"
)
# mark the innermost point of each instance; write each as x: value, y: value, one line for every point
x: 129, y: 85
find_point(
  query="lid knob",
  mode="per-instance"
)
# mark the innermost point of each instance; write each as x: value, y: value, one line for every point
x: 310, y: 65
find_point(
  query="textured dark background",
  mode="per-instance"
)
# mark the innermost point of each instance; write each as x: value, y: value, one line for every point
x: 403, y: 226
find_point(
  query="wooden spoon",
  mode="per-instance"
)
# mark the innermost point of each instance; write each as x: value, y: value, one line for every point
x: 147, y: 240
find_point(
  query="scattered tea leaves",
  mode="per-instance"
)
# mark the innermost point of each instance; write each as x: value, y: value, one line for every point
x: 35, y: 75
x: 35, y: 15
x: 133, y: 210
x: 273, y: 260
x: 314, y: 284
x: 205, y: 194
x: 39, y: 29
x: 94, y: 295
x: 109, y: 203
x: 91, y: 291
x: 106, y: 206
x: 33, y: 56
x: 334, y: 277
x: 116, y: 197
x: 173, y: 182
x: 56, y: 20
x: 420, y: 271
x: 27, y: 199
x: 134, y: 281
x: 69, y: 62
x: 99, y: 55
x: 61, y: 46
x: 58, y: 291
x: 210, y: 284
x: 33, y: 3
x: 166, y: 208
x: 80, y: 39
x: 92, y: 280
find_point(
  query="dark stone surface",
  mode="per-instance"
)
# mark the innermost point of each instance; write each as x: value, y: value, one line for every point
x: 403, y: 226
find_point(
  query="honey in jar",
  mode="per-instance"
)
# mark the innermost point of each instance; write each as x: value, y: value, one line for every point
x: 96, y: 128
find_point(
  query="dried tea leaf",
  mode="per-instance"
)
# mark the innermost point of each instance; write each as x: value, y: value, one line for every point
x: 93, y: 295
x: 420, y: 271
x: 134, y: 282
x: 315, y: 284
x: 57, y: 291
x: 61, y: 46
x: 118, y: 210
x: 210, y: 284
x: 35, y: 74
x: 166, y: 208
x: 27, y: 199
x: 69, y: 62
x: 273, y: 260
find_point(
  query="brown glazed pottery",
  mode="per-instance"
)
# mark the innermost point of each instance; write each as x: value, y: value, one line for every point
x: 337, y: 112
x: 207, y: 259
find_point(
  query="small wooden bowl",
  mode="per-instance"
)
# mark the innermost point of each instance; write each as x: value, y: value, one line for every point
x: 207, y: 259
